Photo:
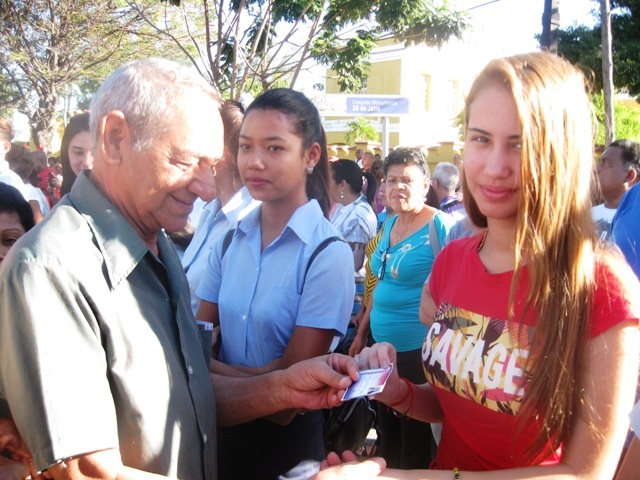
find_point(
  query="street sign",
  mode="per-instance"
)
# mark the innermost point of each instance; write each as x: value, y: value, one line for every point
x: 378, y: 106
x: 361, y: 105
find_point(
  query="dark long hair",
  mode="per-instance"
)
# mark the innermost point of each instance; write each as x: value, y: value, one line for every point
x: 78, y: 123
x: 306, y: 122
x: 350, y: 172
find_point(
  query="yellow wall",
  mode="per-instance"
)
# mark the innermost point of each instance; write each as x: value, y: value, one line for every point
x: 384, y: 79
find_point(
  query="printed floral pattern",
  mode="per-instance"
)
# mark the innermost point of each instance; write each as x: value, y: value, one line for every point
x: 477, y: 357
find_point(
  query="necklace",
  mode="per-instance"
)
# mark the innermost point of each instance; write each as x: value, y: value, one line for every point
x: 401, y: 234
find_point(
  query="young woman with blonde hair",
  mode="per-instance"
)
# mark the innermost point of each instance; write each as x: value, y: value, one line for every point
x: 532, y: 355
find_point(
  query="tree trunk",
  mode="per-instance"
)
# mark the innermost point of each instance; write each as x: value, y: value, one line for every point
x: 42, y: 121
x: 607, y: 72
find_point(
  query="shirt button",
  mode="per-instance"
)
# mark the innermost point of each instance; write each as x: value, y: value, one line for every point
x: 205, y: 438
x: 190, y: 370
x: 244, y: 317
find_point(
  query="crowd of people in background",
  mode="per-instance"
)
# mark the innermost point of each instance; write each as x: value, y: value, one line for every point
x: 500, y: 286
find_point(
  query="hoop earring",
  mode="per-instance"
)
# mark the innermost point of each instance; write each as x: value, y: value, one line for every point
x: 309, y: 170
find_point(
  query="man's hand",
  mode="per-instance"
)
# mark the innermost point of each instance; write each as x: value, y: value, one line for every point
x: 319, y: 382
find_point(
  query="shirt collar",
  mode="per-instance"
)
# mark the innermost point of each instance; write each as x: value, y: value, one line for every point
x: 4, y: 165
x: 241, y: 197
x: 304, y: 220
x: 302, y: 223
x: 121, y: 246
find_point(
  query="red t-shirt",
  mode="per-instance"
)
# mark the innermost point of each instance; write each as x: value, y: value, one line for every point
x: 474, y: 358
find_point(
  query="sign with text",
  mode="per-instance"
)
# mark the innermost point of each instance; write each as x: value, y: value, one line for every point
x: 365, y: 104
x: 362, y: 105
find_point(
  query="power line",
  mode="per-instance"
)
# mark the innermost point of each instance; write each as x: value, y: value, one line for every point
x: 483, y: 4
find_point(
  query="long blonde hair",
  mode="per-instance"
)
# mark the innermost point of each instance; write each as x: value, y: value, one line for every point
x: 555, y: 236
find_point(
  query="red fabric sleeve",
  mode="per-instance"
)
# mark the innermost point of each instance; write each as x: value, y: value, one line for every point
x: 616, y: 297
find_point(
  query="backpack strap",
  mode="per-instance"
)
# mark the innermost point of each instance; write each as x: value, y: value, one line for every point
x: 226, y: 241
x: 433, y: 237
x: 321, y: 246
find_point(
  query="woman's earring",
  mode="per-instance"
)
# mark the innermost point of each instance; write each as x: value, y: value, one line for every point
x: 341, y: 195
x: 309, y: 170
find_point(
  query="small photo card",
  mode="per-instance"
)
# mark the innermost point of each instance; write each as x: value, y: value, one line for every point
x: 371, y: 382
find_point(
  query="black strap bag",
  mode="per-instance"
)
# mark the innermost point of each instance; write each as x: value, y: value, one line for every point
x: 346, y: 427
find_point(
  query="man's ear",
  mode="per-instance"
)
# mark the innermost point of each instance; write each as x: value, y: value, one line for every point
x: 632, y: 177
x: 5, y: 147
x: 114, y: 132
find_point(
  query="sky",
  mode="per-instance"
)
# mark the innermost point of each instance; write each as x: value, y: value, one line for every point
x: 517, y: 21
x: 510, y: 24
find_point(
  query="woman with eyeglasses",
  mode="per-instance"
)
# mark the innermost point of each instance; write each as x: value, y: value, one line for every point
x: 402, y: 262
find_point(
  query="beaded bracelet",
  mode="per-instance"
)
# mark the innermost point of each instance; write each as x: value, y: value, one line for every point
x: 456, y: 474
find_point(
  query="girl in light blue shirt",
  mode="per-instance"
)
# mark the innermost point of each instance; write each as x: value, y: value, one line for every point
x: 278, y: 296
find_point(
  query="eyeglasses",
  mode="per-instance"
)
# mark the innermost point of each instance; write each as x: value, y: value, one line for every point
x: 383, y: 265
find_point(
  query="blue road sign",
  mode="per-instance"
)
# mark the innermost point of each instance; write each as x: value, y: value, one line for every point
x: 370, y: 105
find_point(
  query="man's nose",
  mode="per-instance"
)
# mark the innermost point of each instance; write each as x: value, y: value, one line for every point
x: 203, y: 183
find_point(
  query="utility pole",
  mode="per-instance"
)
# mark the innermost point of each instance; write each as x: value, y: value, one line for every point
x: 550, y: 24
x: 607, y: 72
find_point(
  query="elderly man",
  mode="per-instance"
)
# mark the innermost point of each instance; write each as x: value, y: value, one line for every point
x: 100, y: 361
x: 444, y: 181
x: 367, y: 161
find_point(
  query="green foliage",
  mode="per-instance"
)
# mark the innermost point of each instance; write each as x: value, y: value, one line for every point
x: 582, y: 46
x: 271, y: 40
x: 349, y: 61
x: 360, y: 129
x: 87, y: 89
x: 411, y: 21
x: 48, y: 46
x: 458, y: 122
x: 627, y: 120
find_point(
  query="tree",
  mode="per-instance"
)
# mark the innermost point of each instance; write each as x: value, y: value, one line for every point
x: 48, y: 44
x: 360, y: 129
x: 236, y: 42
x: 582, y: 46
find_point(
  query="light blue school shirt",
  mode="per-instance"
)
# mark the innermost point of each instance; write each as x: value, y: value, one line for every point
x: 260, y: 295
x: 396, y: 298
x: 215, y: 221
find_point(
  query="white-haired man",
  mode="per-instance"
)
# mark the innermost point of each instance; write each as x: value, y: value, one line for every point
x: 444, y: 181
x: 101, y: 365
